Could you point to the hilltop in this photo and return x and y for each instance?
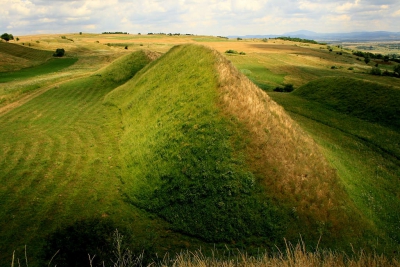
(213, 155)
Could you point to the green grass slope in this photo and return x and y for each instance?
(369, 101)
(50, 66)
(17, 56)
(362, 147)
(210, 153)
(59, 161)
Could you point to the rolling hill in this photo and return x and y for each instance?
(178, 152)
(17, 56)
(210, 153)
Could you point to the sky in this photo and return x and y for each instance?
(199, 17)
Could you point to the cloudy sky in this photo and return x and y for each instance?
(210, 17)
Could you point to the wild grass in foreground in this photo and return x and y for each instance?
(291, 256)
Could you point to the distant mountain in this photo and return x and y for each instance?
(349, 37)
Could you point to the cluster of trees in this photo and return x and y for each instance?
(223, 37)
(114, 33)
(169, 34)
(370, 56)
(300, 40)
(7, 37)
(377, 71)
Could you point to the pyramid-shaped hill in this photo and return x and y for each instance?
(214, 156)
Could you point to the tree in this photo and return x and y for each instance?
(367, 60)
(7, 37)
(59, 52)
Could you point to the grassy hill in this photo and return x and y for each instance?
(59, 161)
(210, 153)
(355, 123)
(19, 56)
(371, 101)
(180, 152)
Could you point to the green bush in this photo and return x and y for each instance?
(286, 89)
(376, 71)
(60, 52)
(230, 51)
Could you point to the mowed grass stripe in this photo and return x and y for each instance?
(62, 152)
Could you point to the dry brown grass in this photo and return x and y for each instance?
(284, 158)
(294, 256)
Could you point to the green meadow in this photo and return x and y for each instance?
(52, 65)
(187, 149)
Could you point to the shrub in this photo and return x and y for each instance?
(286, 89)
(230, 51)
(333, 67)
(242, 53)
(376, 71)
(60, 52)
(351, 68)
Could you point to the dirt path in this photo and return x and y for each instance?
(7, 108)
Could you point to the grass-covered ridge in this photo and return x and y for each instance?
(210, 153)
(52, 65)
(364, 153)
(59, 160)
(19, 56)
(369, 101)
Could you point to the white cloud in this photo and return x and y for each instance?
(198, 16)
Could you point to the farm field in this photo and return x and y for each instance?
(118, 133)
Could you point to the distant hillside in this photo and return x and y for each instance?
(366, 100)
(352, 36)
(214, 156)
(15, 57)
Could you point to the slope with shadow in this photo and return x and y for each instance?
(59, 168)
(357, 124)
(373, 102)
(213, 155)
(15, 57)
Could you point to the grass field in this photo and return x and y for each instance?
(365, 153)
(52, 65)
(188, 153)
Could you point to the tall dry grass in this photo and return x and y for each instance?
(294, 256)
(285, 159)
